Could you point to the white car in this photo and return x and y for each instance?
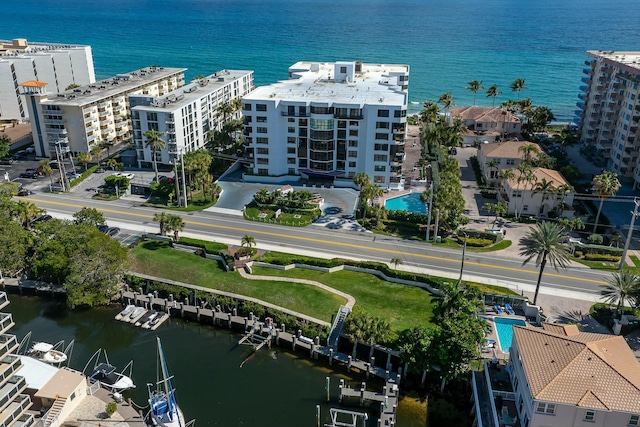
(125, 174)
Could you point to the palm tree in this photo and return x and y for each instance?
(112, 163)
(475, 87)
(247, 241)
(84, 159)
(361, 179)
(544, 242)
(161, 219)
(493, 92)
(105, 145)
(492, 164)
(27, 212)
(546, 188)
(566, 139)
(236, 104)
(446, 99)
(430, 113)
(620, 288)
(95, 152)
(225, 109)
(517, 86)
(156, 143)
(396, 261)
(46, 169)
(176, 224)
(527, 150)
(605, 185)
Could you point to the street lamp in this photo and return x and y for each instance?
(429, 210)
(634, 214)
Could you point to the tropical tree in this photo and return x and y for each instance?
(574, 223)
(506, 175)
(155, 143)
(90, 216)
(540, 118)
(493, 92)
(446, 99)
(492, 164)
(15, 245)
(414, 347)
(620, 288)
(84, 158)
(27, 212)
(605, 185)
(5, 145)
(518, 86)
(236, 104)
(225, 109)
(105, 145)
(162, 219)
(176, 224)
(527, 151)
(247, 241)
(566, 138)
(545, 243)
(112, 163)
(475, 87)
(500, 209)
(430, 113)
(396, 261)
(545, 188)
(361, 179)
(46, 169)
(95, 152)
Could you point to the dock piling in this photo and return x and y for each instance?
(349, 359)
(330, 356)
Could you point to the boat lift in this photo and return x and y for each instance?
(24, 348)
(120, 381)
(355, 417)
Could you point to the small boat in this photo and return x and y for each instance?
(47, 353)
(127, 311)
(164, 410)
(149, 315)
(137, 312)
(107, 374)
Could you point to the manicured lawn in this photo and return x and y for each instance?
(158, 259)
(403, 306)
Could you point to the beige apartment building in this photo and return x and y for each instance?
(78, 119)
(610, 110)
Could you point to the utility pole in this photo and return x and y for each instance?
(464, 250)
(634, 214)
(176, 181)
(184, 182)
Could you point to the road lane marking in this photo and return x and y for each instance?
(327, 242)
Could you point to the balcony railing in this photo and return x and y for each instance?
(6, 322)
(54, 121)
(3, 299)
(15, 409)
(287, 114)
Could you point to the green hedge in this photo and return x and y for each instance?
(476, 243)
(602, 250)
(411, 217)
(84, 175)
(602, 257)
(477, 234)
(210, 247)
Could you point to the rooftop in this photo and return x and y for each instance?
(35, 372)
(61, 384)
(585, 369)
(192, 91)
(19, 47)
(314, 81)
(550, 175)
(484, 114)
(507, 149)
(110, 87)
(630, 59)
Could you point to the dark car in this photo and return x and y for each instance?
(30, 173)
(103, 228)
(24, 192)
(41, 218)
(6, 161)
(112, 231)
(99, 170)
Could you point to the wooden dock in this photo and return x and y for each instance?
(387, 399)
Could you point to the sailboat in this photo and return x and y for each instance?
(164, 410)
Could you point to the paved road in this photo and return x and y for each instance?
(318, 241)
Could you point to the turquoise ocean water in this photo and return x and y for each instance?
(446, 42)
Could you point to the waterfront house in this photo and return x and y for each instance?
(486, 123)
(545, 192)
(498, 156)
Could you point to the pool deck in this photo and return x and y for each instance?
(496, 352)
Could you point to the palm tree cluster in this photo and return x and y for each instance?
(364, 327)
(197, 165)
(605, 185)
(170, 223)
(291, 199)
(622, 289)
(368, 193)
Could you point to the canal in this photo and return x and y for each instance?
(274, 388)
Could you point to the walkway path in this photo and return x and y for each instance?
(351, 301)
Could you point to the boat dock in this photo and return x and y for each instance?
(387, 399)
(146, 319)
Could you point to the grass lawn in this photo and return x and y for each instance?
(292, 219)
(158, 259)
(403, 306)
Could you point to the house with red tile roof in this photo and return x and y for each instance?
(486, 123)
(538, 192)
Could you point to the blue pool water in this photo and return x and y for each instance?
(409, 202)
(504, 330)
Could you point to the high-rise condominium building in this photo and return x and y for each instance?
(330, 120)
(610, 109)
(61, 65)
(77, 119)
(187, 115)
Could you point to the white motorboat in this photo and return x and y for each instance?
(47, 353)
(108, 375)
(125, 312)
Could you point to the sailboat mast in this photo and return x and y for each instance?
(165, 376)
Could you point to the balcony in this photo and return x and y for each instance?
(59, 121)
(50, 109)
(104, 104)
(6, 322)
(15, 410)
(287, 114)
(170, 121)
(588, 62)
(122, 132)
(584, 88)
(58, 132)
(586, 80)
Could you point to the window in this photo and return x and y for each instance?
(261, 107)
(511, 162)
(261, 119)
(263, 151)
(343, 70)
(73, 396)
(263, 161)
(590, 415)
(383, 113)
(262, 140)
(261, 130)
(291, 140)
(291, 129)
(634, 420)
(400, 113)
(353, 144)
(382, 125)
(342, 124)
(380, 158)
(379, 179)
(546, 408)
(353, 154)
(382, 136)
(380, 168)
(291, 171)
(353, 123)
(246, 107)
(263, 171)
(353, 165)
(291, 161)
(353, 132)
(525, 208)
(291, 150)
(381, 147)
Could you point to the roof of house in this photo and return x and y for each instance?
(62, 384)
(564, 365)
(554, 177)
(507, 149)
(485, 114)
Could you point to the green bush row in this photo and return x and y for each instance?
(411, 217)
(602, 250)
(84, 176)
(210, 247)
(476, 243)
(602, 257)
(478, 234)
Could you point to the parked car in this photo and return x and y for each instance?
(6, 161)
(24, 192)
(41, 218)
(30, 173)
(73, 175)
(112, 231)
(99, 170)
(30, 150)
(103, 228)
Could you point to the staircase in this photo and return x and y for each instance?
(52, 414)
(336, 328)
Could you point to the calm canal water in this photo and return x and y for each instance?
(274, 388)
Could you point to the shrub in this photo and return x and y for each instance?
(602, 257)
(477, 234)
(476, 243)
(111, 408)
(83, 176)
(604, 250)
(210, 247)
(595, 239)
(578, 254)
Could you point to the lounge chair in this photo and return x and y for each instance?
(509, 309)
(498, 309)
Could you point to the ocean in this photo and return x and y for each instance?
(446, 42)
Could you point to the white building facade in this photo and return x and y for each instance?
(80, 118)
(610, 110)
(60, 65)
(330, 120)
(187, 115)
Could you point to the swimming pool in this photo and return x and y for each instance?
(409, 202)
(504, 330)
